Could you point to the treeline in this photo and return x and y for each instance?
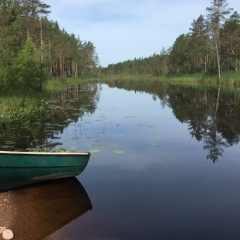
(212, 45)
(32, 47)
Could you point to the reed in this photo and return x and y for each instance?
(16, 107)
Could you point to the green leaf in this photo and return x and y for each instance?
(119, 152)
(94, 151)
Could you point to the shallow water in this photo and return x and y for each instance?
(165, 160)
(150, 178)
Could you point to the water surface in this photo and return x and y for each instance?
(165, 159)
(165, 164)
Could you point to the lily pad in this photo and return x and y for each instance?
(95, 151)
(112, 145)
(119, 152)
(10, 142)
(5, 146)
(97, 145)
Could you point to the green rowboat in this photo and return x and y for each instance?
(20, 168)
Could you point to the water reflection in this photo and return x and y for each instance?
(65, 107)
(35, 212)
(211, 113)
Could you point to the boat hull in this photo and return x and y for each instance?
(17, 168)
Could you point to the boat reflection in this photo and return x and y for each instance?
(37, 211)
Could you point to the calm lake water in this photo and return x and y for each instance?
(165, 160)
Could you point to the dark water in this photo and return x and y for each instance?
(165, 160)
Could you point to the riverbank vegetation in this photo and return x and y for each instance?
(34, 49)
(210, 50)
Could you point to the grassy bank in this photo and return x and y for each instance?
(227, 79)
(231, 79)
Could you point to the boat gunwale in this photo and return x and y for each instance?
(46, 153)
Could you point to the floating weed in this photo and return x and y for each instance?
(158, 138)
(154, 144)
(75, 138)
(10, 142)
(95, 151)
(144, 125)
(36, 123)
(5, 146)
(89, 137)
(112, 145)
(99, 120)
(97, 145)
(119, 152)
(130, 116)
(68, 120)
(59, 125)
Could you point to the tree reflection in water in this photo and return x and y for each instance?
(211, 113)
(213, 141)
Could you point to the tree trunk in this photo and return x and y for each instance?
(218, 63)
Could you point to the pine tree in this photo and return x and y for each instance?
(230, 35)
(216, 15)
(198, 43)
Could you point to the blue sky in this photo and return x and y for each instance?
(125, 29)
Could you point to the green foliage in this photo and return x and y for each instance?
(119, 152)
(47, 149)
(22, 107)
(179, 53)
(211, 48)
(33, 48)
(3, 79)
(25, 70)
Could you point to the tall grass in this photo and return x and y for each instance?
(227, 79)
